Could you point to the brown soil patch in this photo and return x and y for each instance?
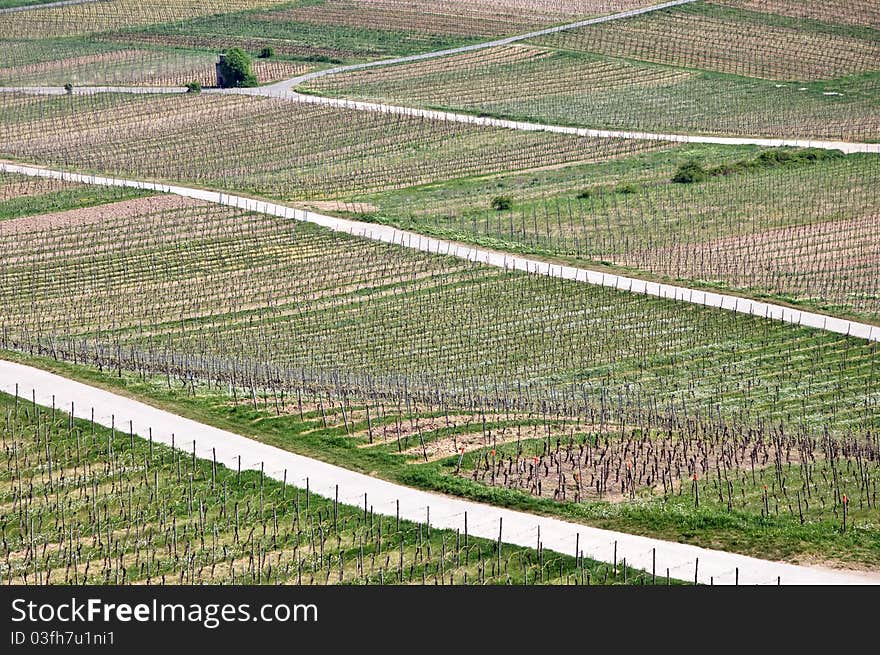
(470, 441)
(92, 215)
(625, 467)
(341, 206)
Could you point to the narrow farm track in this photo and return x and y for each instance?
(683, 561)
(484, 121)
(295, 81)
(392, 235)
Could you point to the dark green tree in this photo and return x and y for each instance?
(235, 69)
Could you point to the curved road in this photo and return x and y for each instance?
(413, 240)
(684, 562)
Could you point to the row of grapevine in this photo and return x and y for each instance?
(596, 91)
(91, 505)
(198, 292)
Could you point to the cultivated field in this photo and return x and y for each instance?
(855, 12)
(174, 287)
(273, 147)
(802, 229)
(22, 196)
(711, 37)
(97, 17)
(182, 36)
(346, 29)
(138, 67)
(610, 408)
(89, 505)
(602, 92)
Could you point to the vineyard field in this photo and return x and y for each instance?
(855, 12)
(711, 37)
(106, 507)
(606, 272)
(347, 30)
(289, 303)
(806, 228)
(273, 147)
(644, 468)
(92, 18)
(110, 65)
(588, 90)
(157, 42)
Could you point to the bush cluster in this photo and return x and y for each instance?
(692, 171)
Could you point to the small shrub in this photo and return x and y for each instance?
(322, 59)
(815, 154)
(780, 156)
(502, 203)
(775, 156)
(194, 87)
(727, 169)
(627, 188)
(585, 194)
(267, 53)
(689, 172)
